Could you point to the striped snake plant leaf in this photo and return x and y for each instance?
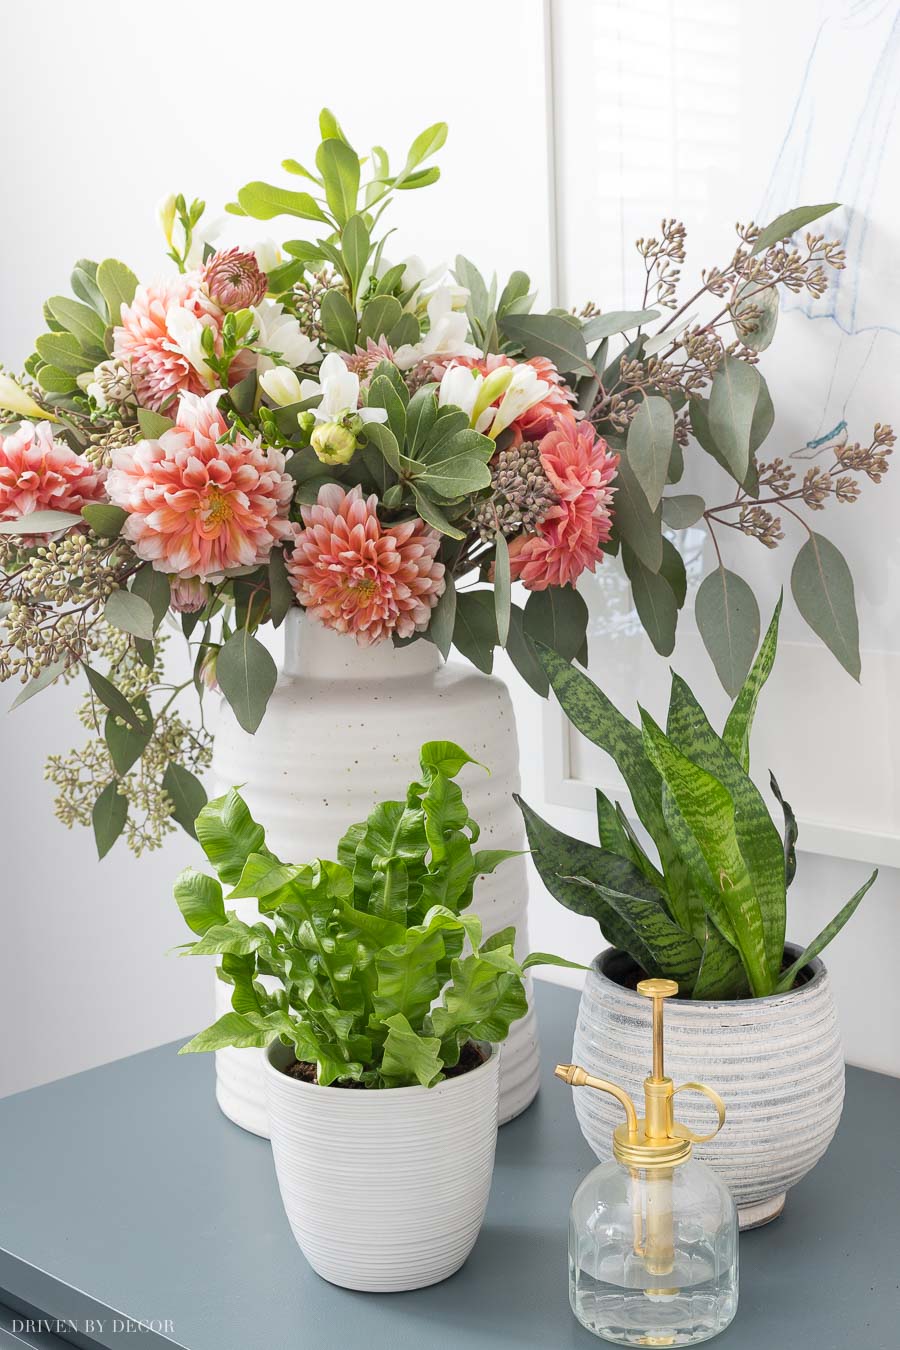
(721, 973)
(592, 713)
(758, 839)
(559, 859)
(740, 720)
(822, 940)
(660, 946)
(709, 813)
(791, 832)
(700, 899)
(618, 837)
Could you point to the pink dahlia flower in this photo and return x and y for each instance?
(234, 279)
(195, 507)
(358, 576)
(159, 338)
(363, 360)
(188, 596)
(39, 473)
(567, 541)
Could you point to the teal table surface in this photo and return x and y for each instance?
(126, 1197)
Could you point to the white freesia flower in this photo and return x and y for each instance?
(14, 399)
(281, 385)
(165, 214)
(338, 392)
(281, 332)
(187, 332)
(267, 254)
(447, 333)
(523, 391)
(465, 389)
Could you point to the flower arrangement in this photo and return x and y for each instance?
(710, 913)
(363, 947)
(389, 450)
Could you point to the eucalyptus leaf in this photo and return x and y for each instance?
(557, 617)
(727, 617)
(154, 587)
(822, 587)
(130, 614)
(40, 522)
(108, 816)
(681, 512)
(649, 446)
(732, 402)
(617, 321)
(187, 795)
(246, 674)
(475, 629)
(443, 618)
(521, 652)
(548, 335)
(112, 698)
(49, 675)
(638, 524)
(654, 601)
(783, 226)
(104, 518)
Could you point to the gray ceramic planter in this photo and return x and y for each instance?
(776, 1061)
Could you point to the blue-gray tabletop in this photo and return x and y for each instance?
(128, 1198)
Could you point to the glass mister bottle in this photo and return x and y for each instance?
(653, 1234)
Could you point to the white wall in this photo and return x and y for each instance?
(125, 103)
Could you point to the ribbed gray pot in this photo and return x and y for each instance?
(777, 1062)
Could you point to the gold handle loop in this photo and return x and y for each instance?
(682, 1131)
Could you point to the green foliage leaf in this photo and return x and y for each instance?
(228, 835)
(64, 351)
(117, 284)
(40, 522)
(727, 617)
(617, 321)
(153, 424)
(823, 590)
(49, 675)
(740, 720)
(649, 446)
(246, 675)
(241, 1030)
(783, 226)
(502, 587)
(262, 201)
(732, 403)
(355, 247)
(475, 629)
(408, 1056)
(339, 166)
(187, 794)
(199, 897)
(81, 321)
(557, 617)
(112, 698)
(108, 816)
(104, 518)
(129, 613)
(681, 512)
(820, 942)
(443, 617)
(791, 832)
(153, 587)
(549, 335)
(55, 381)
(638, 524)
(752, 297)
(281, 594)
(125, 744)
(522, 654)
(380, 316)
(339, 322)
(655, 602)
(432, 514)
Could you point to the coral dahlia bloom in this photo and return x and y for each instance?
(39, 473)
(195, 507)
(159, 338)
(358, 576)
(567, 542)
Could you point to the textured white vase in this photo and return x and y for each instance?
(384, 1190)
(776, 1061)
(342, 731)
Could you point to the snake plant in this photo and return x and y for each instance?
(710, 912)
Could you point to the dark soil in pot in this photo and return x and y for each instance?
(623, 970)
(471, 1056)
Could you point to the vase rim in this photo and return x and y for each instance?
(311, 649)
(816, 966)
(415, 1091)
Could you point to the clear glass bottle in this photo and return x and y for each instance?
(653, 1234)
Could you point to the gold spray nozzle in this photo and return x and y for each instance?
(575, 1076)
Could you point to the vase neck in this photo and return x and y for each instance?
(315, 651)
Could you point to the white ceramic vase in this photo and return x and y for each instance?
(384, 1190)
(776, 1061)
(342, 731)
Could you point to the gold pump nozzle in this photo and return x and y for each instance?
(657, 1140)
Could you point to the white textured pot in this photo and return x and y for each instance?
(776, 1061)
(384, 1190)
(342, 731)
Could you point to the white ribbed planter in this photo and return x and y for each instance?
(342, 731)
(384, 1190)
(777, 1062)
